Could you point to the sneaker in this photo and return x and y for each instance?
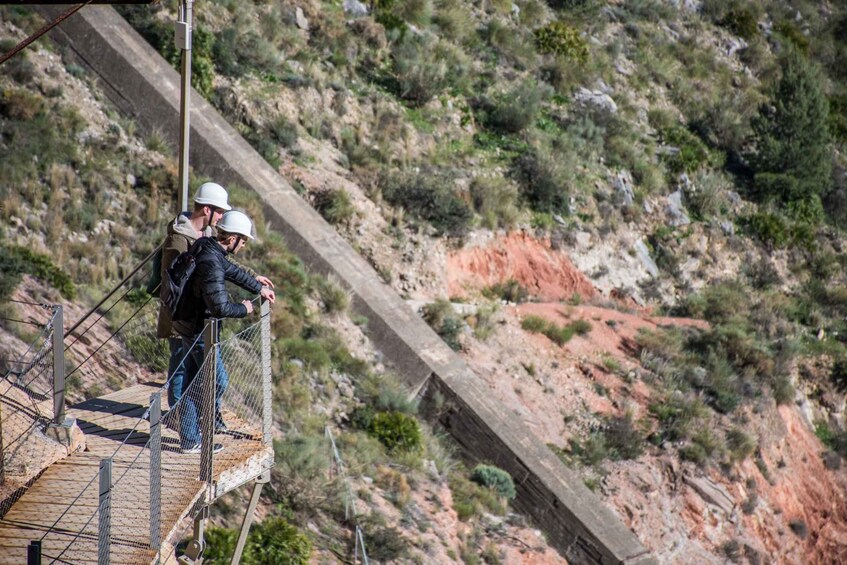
(220, 425)
(197, 448)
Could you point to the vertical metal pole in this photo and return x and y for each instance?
(58, 365)
(267, 388)
(183, 39)
(2, 453)
(362, 543)
(33, 553)
(155, 470)
(105, 512)
(207, 414)
(248, 516)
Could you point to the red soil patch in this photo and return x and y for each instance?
(547, 274)
(612, 332)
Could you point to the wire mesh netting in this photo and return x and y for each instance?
(118, 339)
(351, 513)
(26, 408)
(167, 457)
(240, 417)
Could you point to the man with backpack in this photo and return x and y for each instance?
(204, 295)
(210, 202)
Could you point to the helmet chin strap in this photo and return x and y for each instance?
(231, 247)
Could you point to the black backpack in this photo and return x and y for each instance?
(176, 280)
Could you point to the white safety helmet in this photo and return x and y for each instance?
(236, 222)
(212, 194)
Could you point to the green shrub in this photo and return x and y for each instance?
(334, 205)
(580, 327)
(495, 199)
(676, 414)
(592, 451)
(534, 324)
(443, 319)
(384, 393)
(20, 104)
(511, 291)
(430, 196)
(454, 19)
(284, 132)
(623, 438)
(742, 21)
(272, 540)
(692, 152)
(423, 67)
(333, 296)
(470, 499)
(693, 452)
(310, 352)
(514, 110)
(559, 335)
(396, 431)
(384, 544)
(20, 68)
(16, 261)
(513, 44)
(771, 228)
(560, 39)
(790, 134)
(543, 179)
(147, 349)
(496, 479)
(740, 445)
(236, 53)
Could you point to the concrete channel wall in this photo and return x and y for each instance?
(144, 87)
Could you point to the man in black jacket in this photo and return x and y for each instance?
(206, 297)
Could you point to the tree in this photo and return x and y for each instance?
(792, 160)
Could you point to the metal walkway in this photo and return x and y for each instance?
(106, 421)
(131, 494)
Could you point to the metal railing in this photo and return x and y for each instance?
(122, 515)
(31, 398)
(132, 506)
(338, 470)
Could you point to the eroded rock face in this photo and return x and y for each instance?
(545, 273)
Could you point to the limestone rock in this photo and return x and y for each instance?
(677, 216)
(596, 100)
(354, 8)
(643, 255)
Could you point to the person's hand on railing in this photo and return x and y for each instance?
(265, 281)
(249, 305)
(268, 294)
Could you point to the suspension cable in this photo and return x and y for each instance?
(44, 29)
(3, 318)
(113, 334)
(28, 303)
(114, 290)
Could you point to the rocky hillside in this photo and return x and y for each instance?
(626, 216)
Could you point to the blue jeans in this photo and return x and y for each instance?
(189, 413)
(176, 370)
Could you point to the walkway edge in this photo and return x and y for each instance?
(143, 86)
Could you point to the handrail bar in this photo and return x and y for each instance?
(114, 290)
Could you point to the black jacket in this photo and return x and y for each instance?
(205, 293)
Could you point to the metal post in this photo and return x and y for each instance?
(248, 516)
(33, 553)
(2, 453)
(183, 39)
(58, 365)
(360, 541)
(155, 470)
(207, 413)
(267, 387)
(105, 512)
